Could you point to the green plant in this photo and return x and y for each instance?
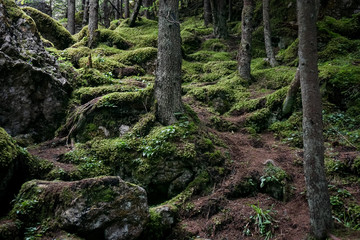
(263, 221)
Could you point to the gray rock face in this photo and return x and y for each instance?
(33, 92)
(96, 208)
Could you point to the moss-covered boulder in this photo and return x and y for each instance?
(33, 89)
(95, 208)
(16, 166)
(50, 29)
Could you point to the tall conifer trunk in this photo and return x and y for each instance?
(127, 9)
(267, 34)
(316, 184)
(207, 13)
(168, 72)
(85, 19)
(218, 9)
(244, 56)
(135, 13)
(71, 16)
(93, 22)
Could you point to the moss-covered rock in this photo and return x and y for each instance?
(206, 56)
(96, 207)
(50, 28)
(215, 44)
(112, 38)
(16, 166)
(190, 41)
(289, 56)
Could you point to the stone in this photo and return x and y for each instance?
(95, 208)
(34, 92)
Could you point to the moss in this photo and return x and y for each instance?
(190, 41)
(8, 149)
(206, 56)
(144, 125)
(217, 69)
(114, 24)
(275, 100)
(290, 130)
(102, 64)
(248, 186)
(216, 45)
(105, 50)
(191, 71)
(91, 77)
(246, 106)
(144, 35)
(112, 38)
(50, 29)
(338, 46)
(274, 78)
(259, 120)
(348, 27)
(289, 56)
(75, 54)
(14, 13)
(84, 32)
(137, 56)
(258, 44)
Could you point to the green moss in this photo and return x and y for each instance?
(144, 35)
(190, 41)
(274, 78)
(275, 100)
(206, 56)
(246, 106)
(191, 71)
(338, 46)
(92, 77)
(258, 44)
(102, 64)
(289, 56)
(8, 150)
(50, 29)
(144, 125)
(75, 54)
(14, 13)
(84, 32)
(137, 56)
(348, 27)
(112, 38)
(216, 45)
(105, 50)
(259, 120)
(218, 69)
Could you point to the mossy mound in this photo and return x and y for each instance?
(161, 159)
(112, 38)
(215, 44)
(75, 54)
(143, 35)
(190, 41)
(206, 56)
(16, 166)
(138, 56)
(50, 29)
(289, 56)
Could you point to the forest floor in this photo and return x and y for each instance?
(218, 217)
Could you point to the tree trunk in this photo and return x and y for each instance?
(244, 57)
(267, 34)
(118, 11)
(93, 22)
(207, 13)
(230, 11)
(218, 8)
(289, 101)
(316, 184)
(85, 20)
(127, 9)
(106, 11)
(168, 72)
(135, 13)
(71, 16)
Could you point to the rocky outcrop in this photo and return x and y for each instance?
(33, 93)
(16, 167)
(95, 208)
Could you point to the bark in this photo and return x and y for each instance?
(106, 11)
(168, 72)
(117, 10)
(71, 16)
(289, 101)
(244, 57)
(218, 8)
(85, 20)
(207, 13)
(93, 22)
(230, 11)
(267, 34)
(316, 184)
(127, 9)
(135, 13)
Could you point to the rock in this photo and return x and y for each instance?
(33, 93)
(40, 5)
(9, 230)
(16, 167)
(94, 208)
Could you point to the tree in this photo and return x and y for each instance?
(148, 12)
(106, 11)
(127, 9)
(168, 72)
(244, 56)
(93, 22)
(290, 98)
(85, 20)
(218, 8)
(316, 184)
(267, 34)
(135, 13)
(207, 13)
(71, 16)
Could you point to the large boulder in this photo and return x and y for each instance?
(94, 208)
(33, 93)
(16, 167)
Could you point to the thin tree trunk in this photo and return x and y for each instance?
(316, 184)
(148, 10)
(289, 101)
(106, 11)
(93, 22)
(85, 20)
(207, 13)
(71, 16)
(244, 57)
(135, 13)
(267, 34)
(127, 9)
(117, 10)
(218, 8)
(230, 11)
(168, 72)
